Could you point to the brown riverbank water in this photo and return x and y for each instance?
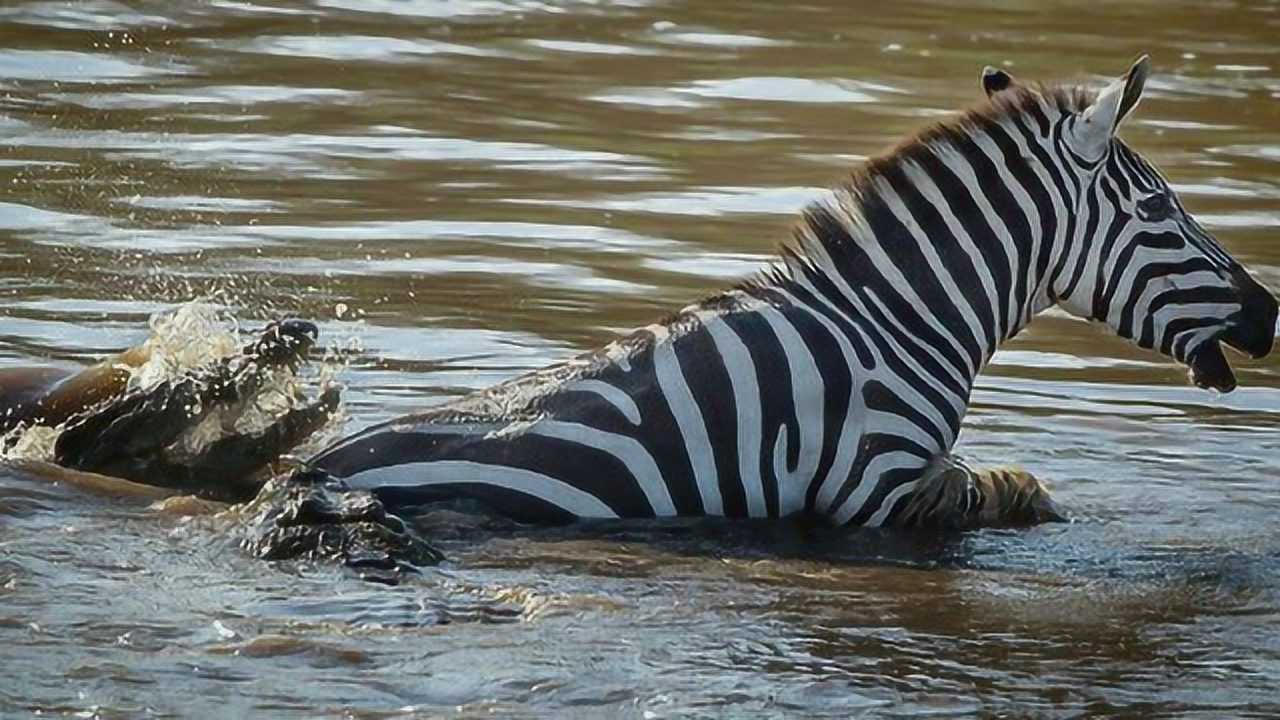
(471, 189)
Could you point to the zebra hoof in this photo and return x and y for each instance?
(963, 498)
(1044, 509)
(1014, 498)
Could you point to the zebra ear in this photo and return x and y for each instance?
(1098, 123)
(994, 80)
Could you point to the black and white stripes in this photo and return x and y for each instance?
(836, 381)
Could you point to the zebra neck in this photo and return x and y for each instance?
(951, 246)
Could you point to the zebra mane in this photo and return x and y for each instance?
(815, 236)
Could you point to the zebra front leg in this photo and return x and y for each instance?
(954, 496)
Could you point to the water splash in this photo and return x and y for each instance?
(198, 334)
(35, 442)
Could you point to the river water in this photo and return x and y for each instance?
(460, 191)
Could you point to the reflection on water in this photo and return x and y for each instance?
(470, 190)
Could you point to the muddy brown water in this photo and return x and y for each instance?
(472, 189)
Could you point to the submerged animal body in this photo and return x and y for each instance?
(835, 382)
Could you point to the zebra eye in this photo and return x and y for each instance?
(1156, 207)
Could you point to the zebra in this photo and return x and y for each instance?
(833, 383)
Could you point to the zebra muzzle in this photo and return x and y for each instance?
(1252, 332)
(1210, 369)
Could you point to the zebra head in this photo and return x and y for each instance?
(1138, 260)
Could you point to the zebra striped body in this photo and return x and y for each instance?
(836, 381)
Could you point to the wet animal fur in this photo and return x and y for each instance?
(954, 496)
